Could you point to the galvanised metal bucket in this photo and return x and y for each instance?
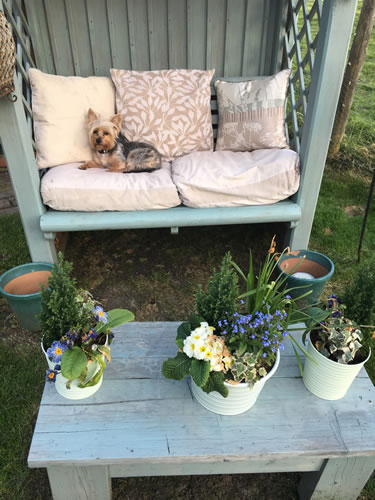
(240, 399)
(328, 379)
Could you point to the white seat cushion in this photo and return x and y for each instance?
(66, 187)
(228, 179)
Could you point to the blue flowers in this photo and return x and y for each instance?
(51, 375)
(261, 334)
(56, 351)
(100, 315)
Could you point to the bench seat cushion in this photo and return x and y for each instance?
(228, 179)
(66, 187)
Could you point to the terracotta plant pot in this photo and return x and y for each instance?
(21, 287)
(315, 264)
(328, 379)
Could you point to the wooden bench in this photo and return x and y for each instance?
(239, 38)
(140, 424)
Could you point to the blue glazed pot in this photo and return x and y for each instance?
(310, 262)
(21, 287)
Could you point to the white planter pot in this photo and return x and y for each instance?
(240, 398)
(328, 379)
(74, 392)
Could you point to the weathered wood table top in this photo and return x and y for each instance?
(141, 424)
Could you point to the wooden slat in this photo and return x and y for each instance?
(99, 36)
(177, 35)
(158, 33)
(38, 27)
(253, 37)
(53, 221)
(119, 34)
(79, 37)
(216, 24)
(60, 44)
(197, 34)
(234, 37)
(138, 35)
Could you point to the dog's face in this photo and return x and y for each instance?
(102, 133)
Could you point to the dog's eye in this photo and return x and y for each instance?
(105, 133)
(96, 131)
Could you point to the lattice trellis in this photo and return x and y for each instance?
(300, 43)
(24, 58)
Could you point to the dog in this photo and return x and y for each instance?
(112, 150)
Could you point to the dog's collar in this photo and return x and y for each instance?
(103, 151)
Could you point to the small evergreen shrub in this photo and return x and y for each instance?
(220, 300)
(60, 307)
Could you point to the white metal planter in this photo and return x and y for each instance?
(240, 399)
(328, 379)
(74, 392)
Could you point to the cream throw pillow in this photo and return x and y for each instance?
(252, 113)
(60, 105)
(169, 109)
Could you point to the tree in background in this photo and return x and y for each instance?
(352, 73)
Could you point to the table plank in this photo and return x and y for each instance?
(138, 417)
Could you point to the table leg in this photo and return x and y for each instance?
(80, 483)
(338, 479)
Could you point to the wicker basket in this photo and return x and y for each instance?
(7, 57)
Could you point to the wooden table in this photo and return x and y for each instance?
(140, 424)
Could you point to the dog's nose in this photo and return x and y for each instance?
(98, 140)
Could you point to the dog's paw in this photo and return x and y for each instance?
(83, 166)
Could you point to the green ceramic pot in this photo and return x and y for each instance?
(21, 287)
(315, 264)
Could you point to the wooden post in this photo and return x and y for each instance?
(16, 143)
(339, 478)
(80, 483)
(333, 43)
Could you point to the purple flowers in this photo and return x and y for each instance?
(56, 351)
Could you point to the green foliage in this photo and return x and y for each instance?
(177, 368)
(359, 295)
(59, 310)
(73, 363)
(262, 292)
(215, 382)
(220, 300)
(339, 338)
(200, 370)
(116, 317)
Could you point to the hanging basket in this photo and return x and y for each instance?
(7, 57)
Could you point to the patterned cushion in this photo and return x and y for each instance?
(252, 113)
(169, 109)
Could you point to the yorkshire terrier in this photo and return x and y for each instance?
(113, 151)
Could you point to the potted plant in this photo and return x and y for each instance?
(231, 345)
(336, 354)
(21, 288)
(77, 334)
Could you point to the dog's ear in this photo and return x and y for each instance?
(117, 120)
(92, 116)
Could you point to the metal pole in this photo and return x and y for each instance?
(366, 214)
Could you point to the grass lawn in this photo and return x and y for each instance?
(155, 275)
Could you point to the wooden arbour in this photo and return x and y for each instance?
(239, 38)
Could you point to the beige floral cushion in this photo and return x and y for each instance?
(252, 113)
(169, 109)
